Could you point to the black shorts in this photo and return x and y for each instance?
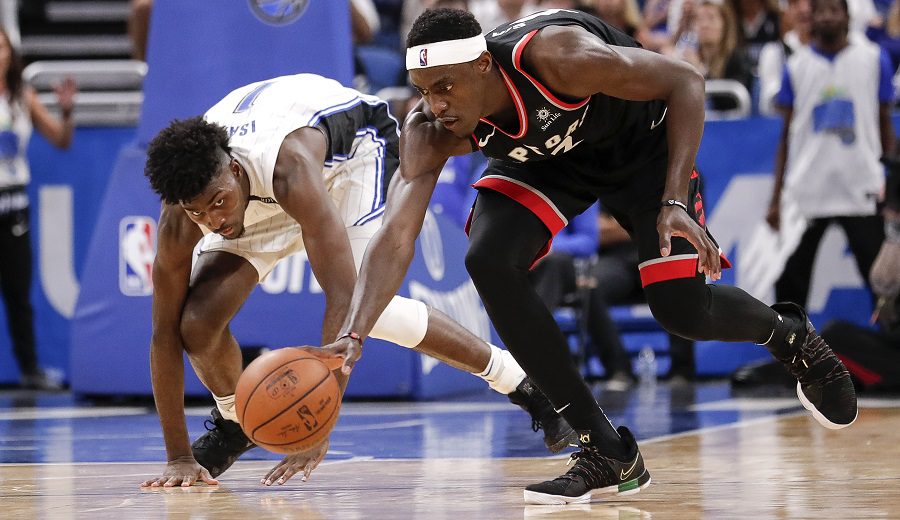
(556, 194)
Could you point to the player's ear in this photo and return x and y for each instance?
(485, 62)
(235, 166)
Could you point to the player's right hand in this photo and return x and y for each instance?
(346, 350)
(184, 472)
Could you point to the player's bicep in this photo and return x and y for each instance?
(576, 63)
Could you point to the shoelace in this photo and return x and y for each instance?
(586, 466)
(813, 351)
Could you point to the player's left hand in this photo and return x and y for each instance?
(304, 461)
(673, 221)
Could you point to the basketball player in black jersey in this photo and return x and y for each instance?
(571, 111)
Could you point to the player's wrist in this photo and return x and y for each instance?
(352, 335)
(673, 203)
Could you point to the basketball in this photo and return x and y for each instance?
(287, 400)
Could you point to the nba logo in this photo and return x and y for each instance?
(423, 58)
(137, 249)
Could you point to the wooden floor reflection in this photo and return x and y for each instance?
(781, 468)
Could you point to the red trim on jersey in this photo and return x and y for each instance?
(541, 254)
(517, 63)
(520, 106)
(868, 377)
(674, 269)
(528, 198)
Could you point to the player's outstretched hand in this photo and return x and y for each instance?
(184, 472)
(305, 461)
(673, 221)
(348, 350)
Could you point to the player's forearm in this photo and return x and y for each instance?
(685, 129)
(384, 267)
(167, 376)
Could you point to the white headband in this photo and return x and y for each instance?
(448, 52)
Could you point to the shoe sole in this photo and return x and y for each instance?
(817, 415)
(631, 487)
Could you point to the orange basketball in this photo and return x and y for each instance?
(287, 400)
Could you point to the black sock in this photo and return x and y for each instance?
(603, 435)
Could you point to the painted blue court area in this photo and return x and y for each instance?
(55, 428)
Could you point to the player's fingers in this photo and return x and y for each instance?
(188, 481)
(665, 242)
(288, 473)
(206, 477)
(150, 482)
(172, 481)
(275, 474)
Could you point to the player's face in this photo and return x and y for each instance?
(453, 93)
(220, 207)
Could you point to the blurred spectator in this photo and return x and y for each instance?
(621, 14)
(139, 27)
(862, 14)
(774, 54)
(364, 22)
(658, 29)
(759, 24)
(20, 112)
(886, 33)
(835, 98)
(717, 55)
(491, 13)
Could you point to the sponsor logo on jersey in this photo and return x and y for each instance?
(278, 12)
(546, 118)
(137, 249)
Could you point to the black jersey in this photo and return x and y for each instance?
(600, 135)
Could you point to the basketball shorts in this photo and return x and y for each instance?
(555, 195)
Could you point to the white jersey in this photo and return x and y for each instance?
(363, 151)
(15, 131)
(834, 139)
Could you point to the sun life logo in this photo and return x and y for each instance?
(546, 118)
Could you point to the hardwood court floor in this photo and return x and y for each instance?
(779, 467)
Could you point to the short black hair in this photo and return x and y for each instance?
(813, 4)
(184, 158)
(438, 25)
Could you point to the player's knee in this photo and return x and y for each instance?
(482, 265)
(679, 310)
(198, 329)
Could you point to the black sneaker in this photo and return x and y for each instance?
(592, 473)
(823, 382)
(557, 432)
(222, 444)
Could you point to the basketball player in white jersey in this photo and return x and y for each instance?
(289, 164)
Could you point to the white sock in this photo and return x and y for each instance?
(226, 407)
(502, 373)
